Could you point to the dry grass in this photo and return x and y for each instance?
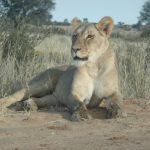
(133, 65)
(13, 76)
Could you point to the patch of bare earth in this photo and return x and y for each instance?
(49, 130)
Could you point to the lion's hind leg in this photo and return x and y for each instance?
(17, 96)
(42, 102)
(39, 86)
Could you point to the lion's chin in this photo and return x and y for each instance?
(78, 62)
(80, 59)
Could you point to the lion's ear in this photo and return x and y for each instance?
(106, 25)
(75, 22)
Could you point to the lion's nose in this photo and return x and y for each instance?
(76, 49)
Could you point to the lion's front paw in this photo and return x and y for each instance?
(111, 114)
(30, 105)
(121, 114)
(115, 113)
(80, 115)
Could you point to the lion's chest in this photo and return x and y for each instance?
(99, 87)
(83, 87)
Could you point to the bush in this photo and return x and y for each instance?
(18, 44)
(145, 33)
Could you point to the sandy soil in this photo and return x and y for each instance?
(51, 130)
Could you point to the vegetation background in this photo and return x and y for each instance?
(29, 46)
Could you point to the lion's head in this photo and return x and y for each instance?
(89, 41)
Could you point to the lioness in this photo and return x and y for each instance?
(93, 76)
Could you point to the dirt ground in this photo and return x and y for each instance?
(51, 130)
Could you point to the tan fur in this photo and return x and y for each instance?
(93, 76)
(43, 84)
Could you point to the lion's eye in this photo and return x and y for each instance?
(90, 36)
(75, 36)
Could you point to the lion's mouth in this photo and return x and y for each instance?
(82, 59)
